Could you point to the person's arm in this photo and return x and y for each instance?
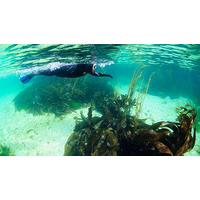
(100, 74)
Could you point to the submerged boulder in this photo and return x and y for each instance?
(117, 132)
(61, 95)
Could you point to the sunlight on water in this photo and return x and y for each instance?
(19, 56)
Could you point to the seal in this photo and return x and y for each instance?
(65, 70)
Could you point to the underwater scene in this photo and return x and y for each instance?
(100, 100)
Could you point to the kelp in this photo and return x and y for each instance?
(119, 132)
(141, 96)
(60, 96)
(113, 134)
(6, 151)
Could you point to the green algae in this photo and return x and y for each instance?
(61, 95)
(6, 151)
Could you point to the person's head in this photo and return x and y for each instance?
(90, 68)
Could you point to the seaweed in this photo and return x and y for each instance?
(113, 134)
(186, 118)
(60, 96)
(5, 151)
(119, 132)
(141, 96)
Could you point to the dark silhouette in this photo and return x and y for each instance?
(61, 70)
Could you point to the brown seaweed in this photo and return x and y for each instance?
(121, 136)
(118, 132)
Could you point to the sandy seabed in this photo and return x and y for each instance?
(28, 134)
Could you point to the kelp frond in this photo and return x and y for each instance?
(141, 97)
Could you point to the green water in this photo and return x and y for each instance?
(175, 82)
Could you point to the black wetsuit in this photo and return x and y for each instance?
(61, 70)
(67, 70)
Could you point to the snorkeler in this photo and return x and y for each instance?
(61, 70)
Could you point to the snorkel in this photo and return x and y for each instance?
(93, 68)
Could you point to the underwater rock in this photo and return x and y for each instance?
(117, 132)
(60, 96)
